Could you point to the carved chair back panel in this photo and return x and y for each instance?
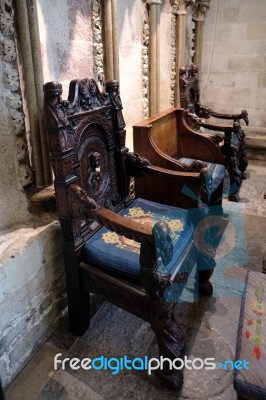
(96, 166)
(86, 140)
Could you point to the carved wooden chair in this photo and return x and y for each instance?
(130, 250)
(168, 141)
(231, 142)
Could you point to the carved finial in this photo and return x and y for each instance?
(51, 89)
(163, 241)
(200, 9)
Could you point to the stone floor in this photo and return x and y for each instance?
(210, 327)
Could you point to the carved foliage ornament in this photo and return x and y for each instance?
(145, 68)
(98, 42)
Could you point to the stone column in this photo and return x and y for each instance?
(38, 79)
(115, 40)
(28, 71)
(154, 53)
(200, 10)
(111, 39)
(108, 39)
(180, 9)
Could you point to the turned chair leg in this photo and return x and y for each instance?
(170, 341)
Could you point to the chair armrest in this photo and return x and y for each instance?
(83, 207)
(206, 112)
(197, 122)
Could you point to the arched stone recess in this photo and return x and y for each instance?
(12, 91)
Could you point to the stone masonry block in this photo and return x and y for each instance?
(262, 80)
(32, 292)
(261, 47)
(239, 98)
(251, 13)
(256, 31)
(259, 63)
(231, 14)
(222, 79)
(239, 63)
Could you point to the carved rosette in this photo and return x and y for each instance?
(145, 68)
(200, 9)
(13, 98)
(98, 42)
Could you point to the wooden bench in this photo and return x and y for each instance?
(251, 339)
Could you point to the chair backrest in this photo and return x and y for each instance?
(189, 88)
(87, 146)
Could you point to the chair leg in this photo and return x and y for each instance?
(205, 267)
(243, 162)
(170, 341)
(235, 174)
(78, 299)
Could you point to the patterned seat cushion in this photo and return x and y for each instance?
(118, 254)
(217, 171)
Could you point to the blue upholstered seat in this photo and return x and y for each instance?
(217, 171)
(110, 251)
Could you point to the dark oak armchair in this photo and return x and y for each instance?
(130, 250)
(231, 142)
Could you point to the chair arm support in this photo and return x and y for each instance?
(83, 207)
(124, 226)
(155, 242)
(206, 112)
(198, 122)
(139, 166)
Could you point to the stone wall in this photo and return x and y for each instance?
(234, 58)
(32, 292)
(14, 169)
(66, 40)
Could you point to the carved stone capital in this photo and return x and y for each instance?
(180, 6)
(200, 9)
(151, 2)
